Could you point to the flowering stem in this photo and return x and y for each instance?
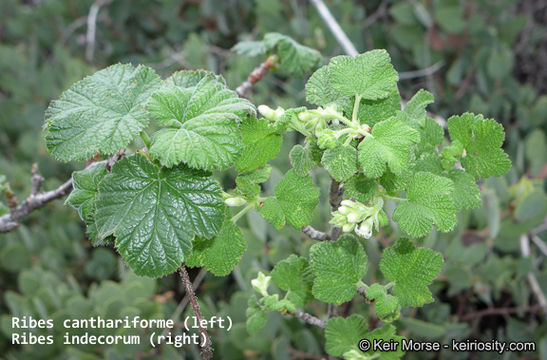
(237, 216)
(355, 109)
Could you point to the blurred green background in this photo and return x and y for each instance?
(484, 56)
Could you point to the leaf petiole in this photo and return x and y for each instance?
(237, 216)
(145, 139)
(354, 119)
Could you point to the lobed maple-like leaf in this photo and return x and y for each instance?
(101, 113)
(429, 202)
(201, 124)
(155, 212)
(412, 270)
(338, 267)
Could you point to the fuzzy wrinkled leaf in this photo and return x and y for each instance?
(343, 334)
(390, 145)
(201, 125)
(412, 270)
(300, 160)
(338, 267)
(340, 162)
(221, 253)
(295, 58)
(155, 212)
(369, 75)
(430, 202)
(294, 275)
(101, 113)
(261, 144)
(297, 197)
(482, 140)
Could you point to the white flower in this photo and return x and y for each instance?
(365, 228)
(261, 283)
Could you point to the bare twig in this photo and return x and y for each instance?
(335, 28)
(540, 244)
(256, 75)
(308, 318)
(37, 199)
(315, 234)
(336, 192)
(206, 349)
(422, 72)
(499, 311)
(532, 280)
(91, 28)
(182, 305)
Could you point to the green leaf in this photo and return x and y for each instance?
(256, 316)
(271, 210)
(85, 183)
(390, 144)
(250, 48)
(415, 107)
(340, 162)
(201, 125)
(343, 334)
(189, 78)
(247, 182)
(387, 306)
(101, 113)
(155, 212)
(412, 270)
(82, 198)
(220, 254)
(360, 187)
(338, 268)
(372, 112)
(293, 275)
(369, 75)
(297, 197)
(261, 144)
(430, 202)
(272, 302)
(387, 334)
(482, 140)
(300, 160)
(319, 90)
(466, 193)
(295, 58)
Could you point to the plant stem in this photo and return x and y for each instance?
(145, 139)
(237, 216)
(206, 350)
(394, 198)
(355, 109)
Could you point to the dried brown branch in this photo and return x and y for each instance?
(37, 199)
(206, 349)
(256, 75)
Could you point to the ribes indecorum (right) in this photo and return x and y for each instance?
(160, 206)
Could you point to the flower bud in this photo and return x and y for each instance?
(267, 112)
(235, 201)
(327, 139)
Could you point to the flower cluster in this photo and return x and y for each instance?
(353, 215)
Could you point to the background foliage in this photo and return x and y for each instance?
(483, 56)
